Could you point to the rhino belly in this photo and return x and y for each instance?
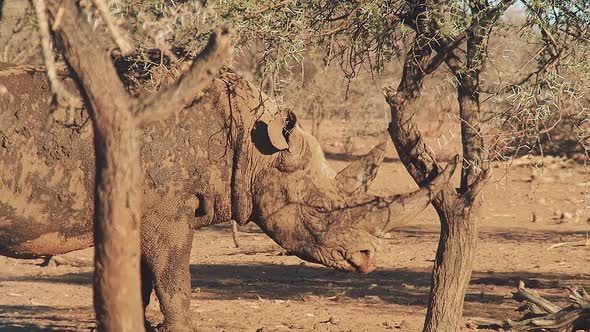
(23, 242)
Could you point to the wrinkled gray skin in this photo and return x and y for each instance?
(231, 155)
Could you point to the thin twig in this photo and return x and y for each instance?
(57, 88)
(266, 8)
(118, 36)
(190, 85)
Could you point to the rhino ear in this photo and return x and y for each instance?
(279, 129)
(357, 176)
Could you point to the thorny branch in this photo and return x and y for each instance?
(204, 68)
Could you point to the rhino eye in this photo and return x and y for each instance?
(320, 204)
(321, 209)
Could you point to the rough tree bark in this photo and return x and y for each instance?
(116, 117)
(457, 208)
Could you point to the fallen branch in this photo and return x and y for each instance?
(543, 315)
(582, 243)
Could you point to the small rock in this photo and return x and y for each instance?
(373, 299)
(563, 217)
(390, 325)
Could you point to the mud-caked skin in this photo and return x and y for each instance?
(230, 155)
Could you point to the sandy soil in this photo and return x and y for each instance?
(258, 287)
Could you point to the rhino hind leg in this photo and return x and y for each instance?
(166, 246)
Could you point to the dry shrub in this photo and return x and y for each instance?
(546, 114)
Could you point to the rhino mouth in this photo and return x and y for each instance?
(360, 261)
(352, 266)
(363, 261)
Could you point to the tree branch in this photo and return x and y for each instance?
(172, 98)
(89, 59)
(413, 151)
(118, 36)
(60, 93)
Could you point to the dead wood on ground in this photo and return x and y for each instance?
(543, 315)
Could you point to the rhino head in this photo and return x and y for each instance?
(324, 217)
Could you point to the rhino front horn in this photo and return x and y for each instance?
(393, 211)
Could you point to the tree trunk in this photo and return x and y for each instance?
(117, 291)
(118, 192)
(459, 225)
(457, 209)
(452, 267)
(118, 199)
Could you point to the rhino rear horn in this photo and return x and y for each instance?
(357, 176)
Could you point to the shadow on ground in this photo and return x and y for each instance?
(296, 282)
(18, 318)
(227, 282)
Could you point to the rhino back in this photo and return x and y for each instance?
(47, 171)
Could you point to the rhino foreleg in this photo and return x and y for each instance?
(166, 245)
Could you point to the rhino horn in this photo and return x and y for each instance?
(357, 176)
(387, 213)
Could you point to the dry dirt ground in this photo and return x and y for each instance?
(259, 287)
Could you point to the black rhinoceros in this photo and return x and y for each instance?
(230, 155)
